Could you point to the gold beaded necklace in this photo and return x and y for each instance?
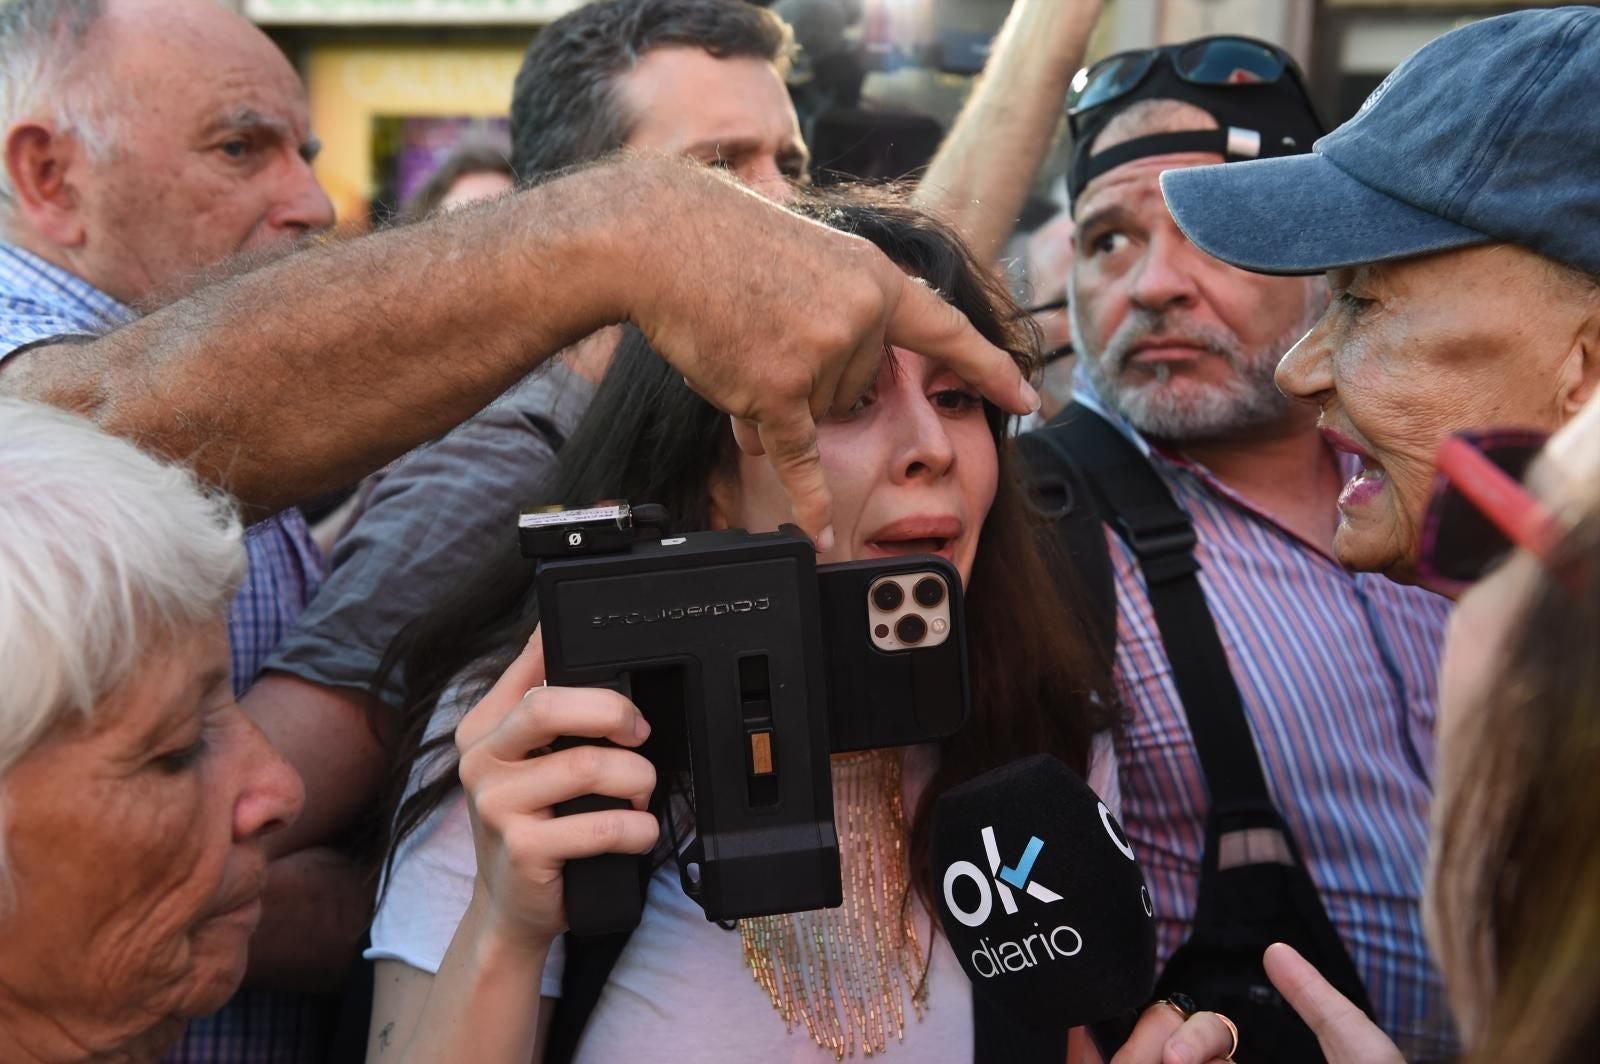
(845, 973)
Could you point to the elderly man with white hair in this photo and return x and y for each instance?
(134, 793)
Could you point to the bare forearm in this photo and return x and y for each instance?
(483, 1003)
(310, 372)
(982, 173)
(313, 912)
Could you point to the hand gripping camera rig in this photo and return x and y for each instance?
(768, 664)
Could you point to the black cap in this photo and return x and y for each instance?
(1257, 120)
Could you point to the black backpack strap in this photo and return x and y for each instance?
(1074, 540)
(1131, 498)
(586, 969)
(1137, 505)
(589, 961)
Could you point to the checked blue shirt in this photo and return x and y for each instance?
(39, 301)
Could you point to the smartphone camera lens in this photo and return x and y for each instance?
(888, 596)
(910, 629)
(929, 592)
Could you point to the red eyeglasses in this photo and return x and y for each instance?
(1479, 510)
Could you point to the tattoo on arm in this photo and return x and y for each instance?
(385, 1037)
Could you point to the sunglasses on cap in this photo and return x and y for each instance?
(1480, 511)
(1208, 61)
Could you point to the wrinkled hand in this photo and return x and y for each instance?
(1161, 1037)
(777, 320)
(521, 844)
(1345, 1033)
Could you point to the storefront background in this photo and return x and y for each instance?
(384, 111)
(394, 84)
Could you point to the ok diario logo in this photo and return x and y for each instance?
(1003, 879)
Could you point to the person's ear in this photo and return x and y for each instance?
(40, 161)
(1580, 375)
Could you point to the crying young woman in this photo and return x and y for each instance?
(471, 963)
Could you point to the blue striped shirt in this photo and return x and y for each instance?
(1337, 672)
(39, 301)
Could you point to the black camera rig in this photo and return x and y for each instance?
(773, 662)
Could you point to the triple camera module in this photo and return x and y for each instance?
(909, 610)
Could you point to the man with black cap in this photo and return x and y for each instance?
(1276, 764)
(1458, 219)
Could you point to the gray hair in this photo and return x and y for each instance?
(1145, 117)
(1248, 400)
(39, 41)
(106, 556)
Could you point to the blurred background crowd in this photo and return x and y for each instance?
(396, 85)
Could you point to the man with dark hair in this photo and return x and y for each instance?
(699, 78)
(695, 77)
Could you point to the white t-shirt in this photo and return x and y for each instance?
(681, 989)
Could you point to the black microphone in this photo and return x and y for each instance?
(1044, 905)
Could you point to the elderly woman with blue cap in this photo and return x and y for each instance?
(1515, 868)
(1457, 217)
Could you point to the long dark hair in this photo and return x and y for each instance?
(1038, 685)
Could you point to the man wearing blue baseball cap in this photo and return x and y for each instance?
(1457, 216)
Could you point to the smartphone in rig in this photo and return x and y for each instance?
(759, 665)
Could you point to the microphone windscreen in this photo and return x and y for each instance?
(1041, 897)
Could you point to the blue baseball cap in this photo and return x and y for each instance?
(1489, 134)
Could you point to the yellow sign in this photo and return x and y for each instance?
(393, 12)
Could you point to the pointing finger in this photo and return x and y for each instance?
(748, 436)
(924, 323)
(1326, 1011)
(790, 442)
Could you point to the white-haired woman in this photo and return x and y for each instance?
(134, 794)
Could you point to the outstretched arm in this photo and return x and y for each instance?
(308, 373)
(983, 170)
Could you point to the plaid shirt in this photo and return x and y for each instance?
(40, 301)
(1337, 673)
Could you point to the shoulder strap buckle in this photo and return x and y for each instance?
(1164, 540)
